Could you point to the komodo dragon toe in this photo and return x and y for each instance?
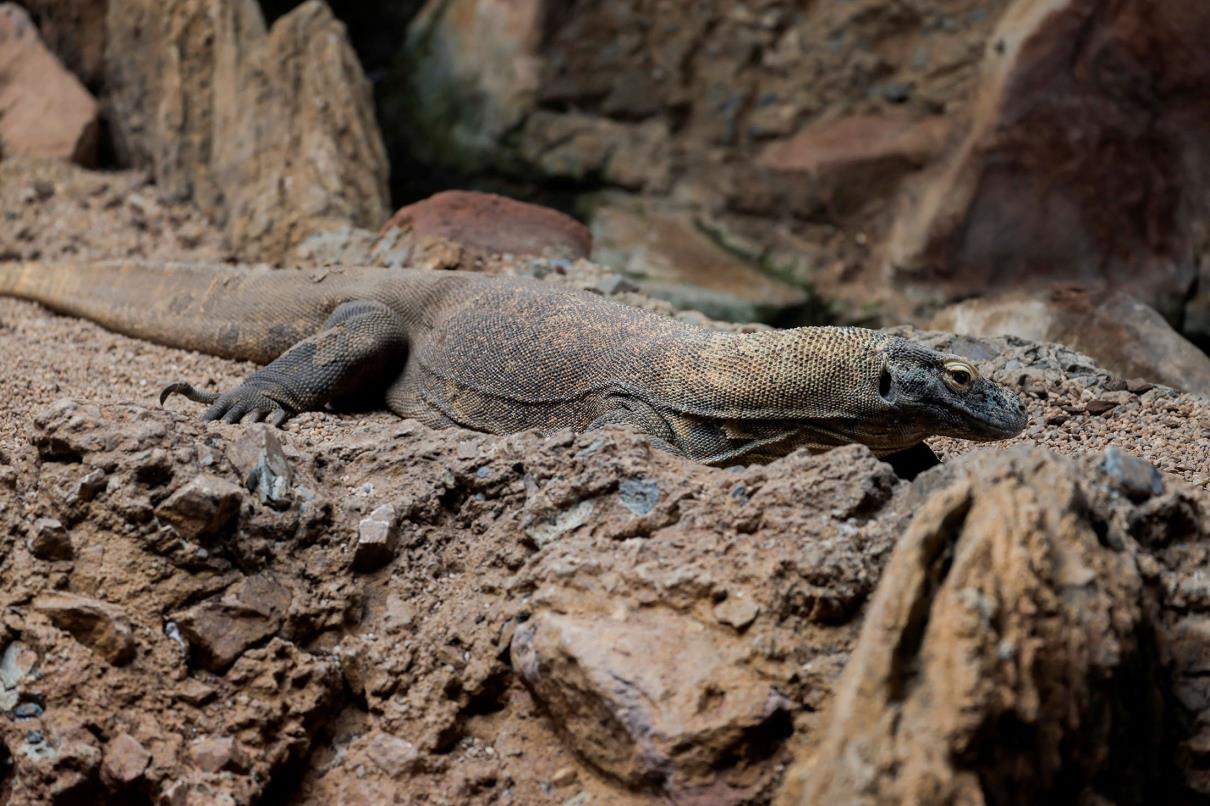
(240, 404)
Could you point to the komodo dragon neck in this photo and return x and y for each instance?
(504, 355)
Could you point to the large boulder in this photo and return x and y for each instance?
(44, 110)
(271, 132)
(1008, 649)
(1085, 159)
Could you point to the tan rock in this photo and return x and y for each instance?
(44, 110)
(392, 755)
(480, 57)
(102, 627)
(1120, 332)
(203, 507)
(486, 223)
(217, 753)
(377, 539)
(651, 698)
(670, 257)
(1084, 160)
(220, 630)
(857, 159)
(1004, 612)
(271, 132)
(124, 760)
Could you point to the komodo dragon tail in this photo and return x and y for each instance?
(249, 314)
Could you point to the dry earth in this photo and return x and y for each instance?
(374, 612)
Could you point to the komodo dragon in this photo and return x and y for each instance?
(503, 355)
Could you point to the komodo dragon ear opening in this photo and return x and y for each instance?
(885, 385)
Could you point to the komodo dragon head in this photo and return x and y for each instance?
(933, 393)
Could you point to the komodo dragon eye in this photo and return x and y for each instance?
(959, 375)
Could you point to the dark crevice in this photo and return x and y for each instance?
(6, 774)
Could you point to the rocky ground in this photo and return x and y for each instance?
(358, 609)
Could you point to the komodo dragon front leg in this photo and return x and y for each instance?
(361, 347)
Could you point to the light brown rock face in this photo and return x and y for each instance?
(1085, 158)
(671, 256)
(855, 159)
(649, 698)
(102, 627)
(272, 133)
(44, 110)
(1002, 651)
(773, 120)
(476, 66)
(1123, 334)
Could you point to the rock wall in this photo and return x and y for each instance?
(272, 133)
(890, 157)
(358, 610)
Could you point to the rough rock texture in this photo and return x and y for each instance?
(272, 134)
(1085, 158)
(1121, 333)
(887, 157)
(75, 30)
(486, 224)
(100, 626)
(650, 698)
(1010, 648)
(674, 256)
(53, 210)
(44, 110)
(678, 106)
(267, 668)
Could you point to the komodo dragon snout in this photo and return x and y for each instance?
(945, 395)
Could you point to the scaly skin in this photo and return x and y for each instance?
(503, 355)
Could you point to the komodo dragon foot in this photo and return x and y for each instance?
(234, 406)
(360, 348)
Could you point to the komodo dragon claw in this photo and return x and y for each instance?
(186, 389)
(233, 406)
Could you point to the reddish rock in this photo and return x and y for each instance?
(124, 760)
(44, 110)
(1084, 161)
(859, 158)
(220, 630)
(489, 223)
(100, 626)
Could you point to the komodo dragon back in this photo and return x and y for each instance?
(504, 354)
